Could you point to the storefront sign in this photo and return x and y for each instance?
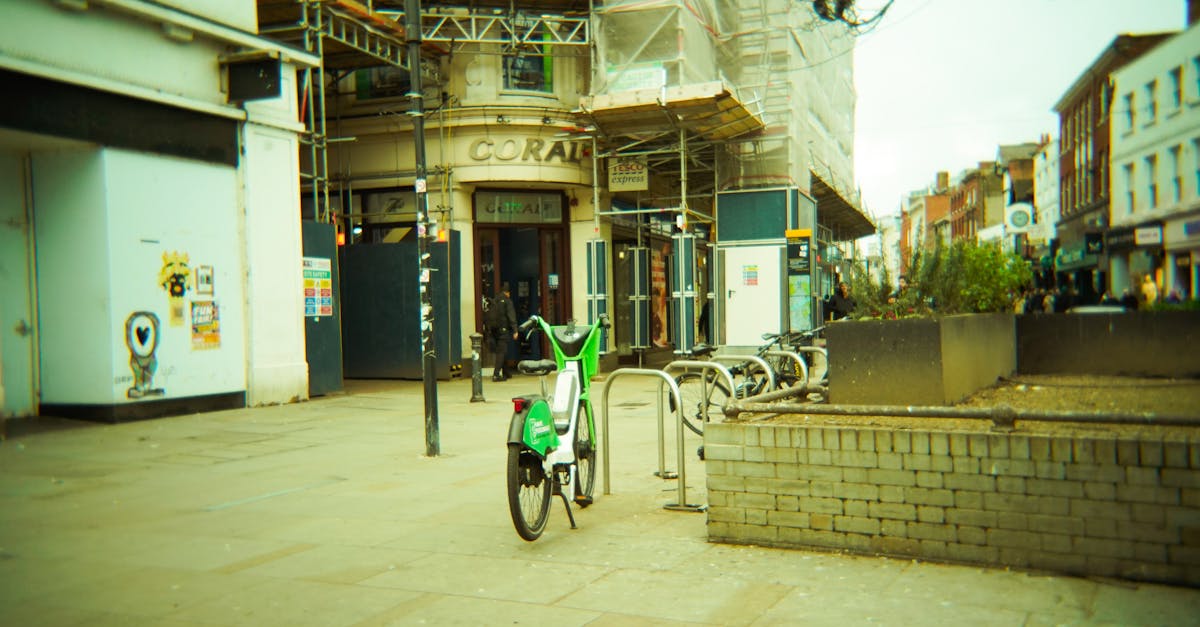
(1148, 236)
(633, 77)
(526, 149)
(628, 174)
(518, 207)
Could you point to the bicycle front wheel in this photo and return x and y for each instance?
(528, 492)
(585, 458)
(704, 398)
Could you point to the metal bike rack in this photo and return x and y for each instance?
(794, 356)
(754, 358)
(824, 355)
(682, 505)
(703, 366)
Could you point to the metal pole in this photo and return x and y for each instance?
(412, 37)
(476, 369)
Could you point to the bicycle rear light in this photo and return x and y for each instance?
(519, 404)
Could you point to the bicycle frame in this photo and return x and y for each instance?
(542, 423)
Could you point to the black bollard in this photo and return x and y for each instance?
(476, 369)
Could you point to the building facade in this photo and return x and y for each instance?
(150, 167)
(1155, 138)
(656, 124)
(1085, 115)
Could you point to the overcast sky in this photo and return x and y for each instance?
(941, 83)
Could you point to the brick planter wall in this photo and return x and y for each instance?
(1083, 505)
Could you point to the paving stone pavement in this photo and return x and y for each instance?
(328, 512)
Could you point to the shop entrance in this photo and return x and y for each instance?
(532, 261)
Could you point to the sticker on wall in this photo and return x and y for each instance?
(318, 287)
(750, 275)
(204, 280)
(141, 336)
(173, 277)
(206, 325)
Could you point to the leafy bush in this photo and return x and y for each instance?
(964, 277)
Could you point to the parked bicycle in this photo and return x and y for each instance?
(704, 395)
(539, 465)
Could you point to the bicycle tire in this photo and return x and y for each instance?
(691, 391)
(526, 478)
(585, 459)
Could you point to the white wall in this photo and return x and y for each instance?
(111, 47)
(16, 350)
(1173, 127)
(77, 332)
(163, 205)
(104, 219)
(278, 367)
(1046, 189)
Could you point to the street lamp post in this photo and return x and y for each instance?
(412, 37)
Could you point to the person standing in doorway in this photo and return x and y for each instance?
(841, 303)
(1149, 291)
(501, 319)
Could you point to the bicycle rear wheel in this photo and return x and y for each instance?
(703, 398)
(585, 459)
(528, 492)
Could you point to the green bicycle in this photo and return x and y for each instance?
(538, 464)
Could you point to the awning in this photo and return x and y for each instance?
(710, 110)
(837, 213)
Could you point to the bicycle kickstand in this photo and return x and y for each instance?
(567, 504)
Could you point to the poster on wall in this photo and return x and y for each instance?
(206, 325)
(318, 287)
(799, 302)
(658, 297)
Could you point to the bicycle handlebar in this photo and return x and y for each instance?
(529, 324)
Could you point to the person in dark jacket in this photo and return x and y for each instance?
(502, 326)
(841, 303)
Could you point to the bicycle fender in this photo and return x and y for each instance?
(534, 428)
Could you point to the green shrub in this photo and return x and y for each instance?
(964, 277)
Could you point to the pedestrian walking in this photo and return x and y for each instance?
(501, 321)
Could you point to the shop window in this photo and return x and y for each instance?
(529, 72)
(1128, 103)
(1129, 183)
(1151, 102)
(1176, 78)
(1152, 181)
(1176, 178)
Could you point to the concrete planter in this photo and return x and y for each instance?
(920, 361)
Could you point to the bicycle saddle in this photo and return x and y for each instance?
(702, 350)
(537, 366)
(570, 339)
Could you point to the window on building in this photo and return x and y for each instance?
(1151, 102)
(1130, 113)
(1129, 181)
(529, 72)
(1152, 181)
(1196, 164)
(1176, 78)
(1196, 83)
(1174, 155)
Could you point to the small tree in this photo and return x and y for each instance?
(964, 277)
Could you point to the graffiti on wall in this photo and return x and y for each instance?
(173, 277)
(141, 336)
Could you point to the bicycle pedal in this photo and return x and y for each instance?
(583, 500)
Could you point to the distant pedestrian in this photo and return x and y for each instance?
(1129, 301)
(841, 303)
(1149, 291)
(501, 321)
